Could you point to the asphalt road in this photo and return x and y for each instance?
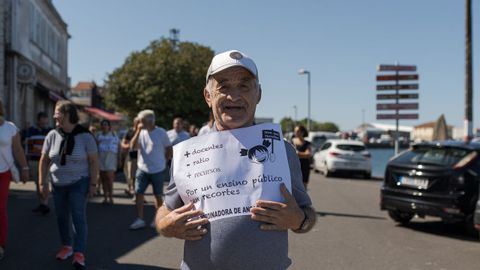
(352, 233)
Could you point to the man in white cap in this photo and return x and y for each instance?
(256, 241)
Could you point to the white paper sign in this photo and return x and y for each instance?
(224, 173)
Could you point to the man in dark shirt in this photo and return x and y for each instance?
(33, 138)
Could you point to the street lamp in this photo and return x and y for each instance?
(295, 115)
(303, 72)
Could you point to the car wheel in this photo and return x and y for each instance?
(469, 226)
(400, 217)
(367, 175)
(315, 169)
(327, 172)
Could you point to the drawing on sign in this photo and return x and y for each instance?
(260, 153)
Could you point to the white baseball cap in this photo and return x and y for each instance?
(230, 59)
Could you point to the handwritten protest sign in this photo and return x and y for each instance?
(224, 173)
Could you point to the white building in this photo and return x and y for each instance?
(33, 74)
(376, 130)
(424, 132)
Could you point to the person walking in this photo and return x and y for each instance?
(10, 149)
(304, 151)
(33, 139)
(108, 154)
(130, 167)
(154, 148)
(69, 155)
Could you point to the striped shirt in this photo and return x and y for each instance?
(77, 165)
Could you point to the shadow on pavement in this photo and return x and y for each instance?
(455, 230)
(323, 214)
(34, 240)
(353, 176)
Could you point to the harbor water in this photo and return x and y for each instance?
(380, 158)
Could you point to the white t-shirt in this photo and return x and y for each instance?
(177, 137)
(151, 150)
(205, 130)
(107, 142)
(7, 131)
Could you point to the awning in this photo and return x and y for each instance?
(52, 95)
(101, 114)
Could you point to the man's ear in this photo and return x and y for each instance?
(259, 93)
(208, 97)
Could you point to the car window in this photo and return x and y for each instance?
(443, 156)
(319, 140)
(351, 147)
(326, 146)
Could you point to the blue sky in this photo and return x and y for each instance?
(340, 41)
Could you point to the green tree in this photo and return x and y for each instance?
(165, 77)
(327, 126)
(287, 124)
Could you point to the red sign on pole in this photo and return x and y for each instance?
(398, 87)
(400, 106)
(396, 68)
(397, 116)
(397, 77)
(394, 96)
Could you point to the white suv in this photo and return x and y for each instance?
(343, 155)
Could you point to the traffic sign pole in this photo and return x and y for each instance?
(396, 78)
(396, 120)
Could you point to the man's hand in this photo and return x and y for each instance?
(278, 216)
(25, 175)
(139, 126)
(92, 190)
(179, 223)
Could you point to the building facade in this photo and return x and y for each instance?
(34, 39)
(425, 131)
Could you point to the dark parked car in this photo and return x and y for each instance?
(477, 217)
(434, 179)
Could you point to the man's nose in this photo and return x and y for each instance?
(234, 94)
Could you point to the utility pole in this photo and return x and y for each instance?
(468, 125)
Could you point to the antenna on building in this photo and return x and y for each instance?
(174, 36)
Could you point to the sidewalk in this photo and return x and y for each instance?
(33, 239)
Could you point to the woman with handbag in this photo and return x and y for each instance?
(10, 148)
(69, 154)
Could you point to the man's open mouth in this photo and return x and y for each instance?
(233, 108)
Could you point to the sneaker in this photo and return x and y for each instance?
(64, 253)
(137, 224)
(42, 208)
(78, 260)
(2, 253)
